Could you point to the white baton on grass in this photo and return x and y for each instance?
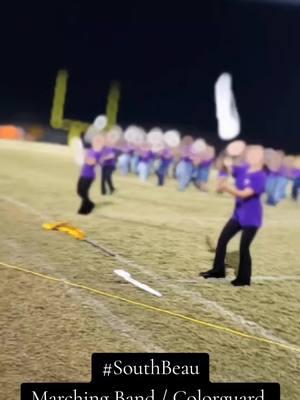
(126, 275)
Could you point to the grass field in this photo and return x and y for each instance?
(50, 329)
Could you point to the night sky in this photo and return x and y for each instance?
(167, 59)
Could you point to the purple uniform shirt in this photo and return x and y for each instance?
(109, 151)
(284, 171)
(206, 164)
(166, 157)
(239, 172)
(88, 171)
(186, 154)
(127, 149)
(249, 211)
(272, 174)
(296, 173)
(146, 156)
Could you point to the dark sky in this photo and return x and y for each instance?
(167, 59)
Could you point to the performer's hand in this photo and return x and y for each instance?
(90, 161)
(241, 194)
(223, 186)
(228, 162)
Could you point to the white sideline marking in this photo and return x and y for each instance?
(257, 278)
(250, 326)
(278, 278)
(239, 321)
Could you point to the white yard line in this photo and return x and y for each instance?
(25, 206)
(250, 326)
(239, 321)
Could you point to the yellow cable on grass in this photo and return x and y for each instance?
(157, 309)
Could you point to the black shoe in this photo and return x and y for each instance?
(212, 274)
(237, 282)
(90, 208)
(86, 208)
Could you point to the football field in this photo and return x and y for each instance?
(164, 238)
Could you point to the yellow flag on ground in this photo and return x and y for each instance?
(66, 228)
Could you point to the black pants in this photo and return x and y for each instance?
(295, 188)
(83, 187)
(245, 265)
(106, 179)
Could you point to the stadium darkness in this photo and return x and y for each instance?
(167, 60)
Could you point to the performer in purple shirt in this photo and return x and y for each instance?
(108, 163)
(203, 167)
(296, 179)
(88, 174)
(146, 158)
(247, 216)
(276, 176)
(165, 160)
(184, 169)
(124, 158)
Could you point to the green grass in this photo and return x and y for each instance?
(50, 329)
